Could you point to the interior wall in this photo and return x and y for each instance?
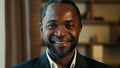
(2, 34)
(35, 37)
(109, 12)
(101, 33)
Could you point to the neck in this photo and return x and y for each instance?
(64, 61)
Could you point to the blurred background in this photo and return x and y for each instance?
(20, 38)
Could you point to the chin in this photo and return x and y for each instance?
(64, 53)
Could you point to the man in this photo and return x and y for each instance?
(60, 27)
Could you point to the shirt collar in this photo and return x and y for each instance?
(54, 65)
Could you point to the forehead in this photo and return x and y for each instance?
(59, 8)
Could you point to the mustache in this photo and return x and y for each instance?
(62, 39)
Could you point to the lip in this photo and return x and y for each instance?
(64, 42)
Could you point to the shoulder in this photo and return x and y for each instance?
(35, 62)
(95, 64)
(91, 63)
(27, 64)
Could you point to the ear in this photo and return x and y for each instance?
(41, 28)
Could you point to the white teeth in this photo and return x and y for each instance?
(60, 42)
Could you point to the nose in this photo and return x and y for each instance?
(61, 31)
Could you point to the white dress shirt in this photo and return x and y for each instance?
(54, 65)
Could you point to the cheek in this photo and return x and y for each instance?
(75, 33)
(45, 33)
(48, 33)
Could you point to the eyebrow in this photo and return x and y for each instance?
(52, 21)
(68, 21)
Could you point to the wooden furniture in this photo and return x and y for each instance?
(106, 52)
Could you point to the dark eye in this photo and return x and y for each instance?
(51, 26)
(69, 26)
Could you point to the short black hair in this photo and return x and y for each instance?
(43, 11)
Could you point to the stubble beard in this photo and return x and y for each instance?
(58, 55)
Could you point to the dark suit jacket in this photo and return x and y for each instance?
(42, 62)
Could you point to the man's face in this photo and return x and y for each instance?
(60, 29)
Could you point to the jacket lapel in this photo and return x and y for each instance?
(42, 62)
(80, 61)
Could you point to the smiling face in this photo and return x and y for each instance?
(60, 29)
